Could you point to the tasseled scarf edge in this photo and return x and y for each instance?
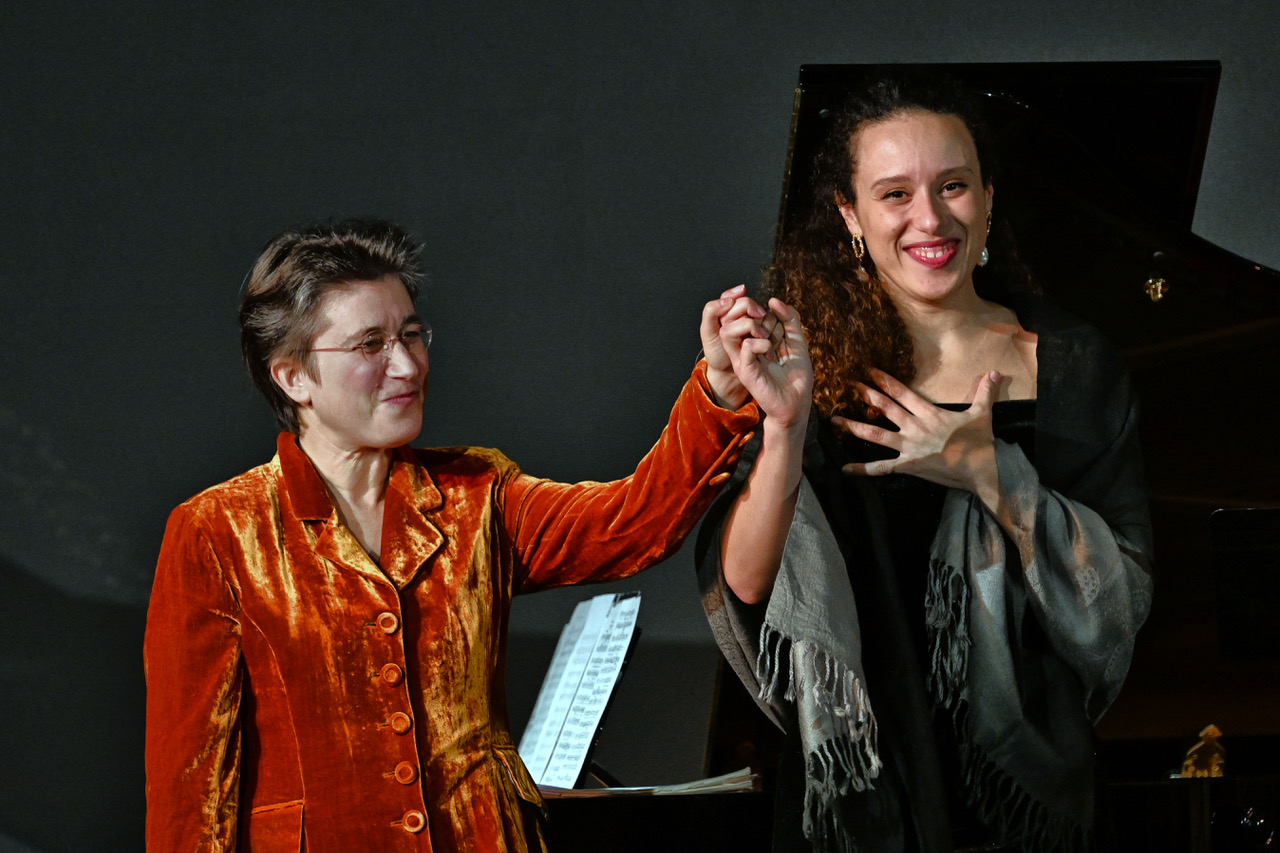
(802, 672)
(1001, 802)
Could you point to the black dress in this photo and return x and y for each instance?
(1030, 655)
(897, 651)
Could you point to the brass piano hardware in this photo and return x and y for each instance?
(1156, 288)
(1207, 758)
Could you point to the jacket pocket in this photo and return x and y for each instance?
(276, 828)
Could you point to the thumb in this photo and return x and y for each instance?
(988, 388)
(789, 316)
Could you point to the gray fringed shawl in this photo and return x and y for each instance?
(1079, 568)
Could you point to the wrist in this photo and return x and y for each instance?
(726, 391)
(984, 476)
(791, 431)
(791, 423)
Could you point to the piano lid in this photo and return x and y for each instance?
(1145, 123)
(1098, 170)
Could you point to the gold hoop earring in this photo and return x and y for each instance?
(859, 252)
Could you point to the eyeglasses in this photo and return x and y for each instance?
(415, 340)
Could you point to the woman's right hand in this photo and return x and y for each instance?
(770, 357)
(771, 360)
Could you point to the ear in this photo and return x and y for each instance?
(850, 217)
(292, 378)
(991, 193)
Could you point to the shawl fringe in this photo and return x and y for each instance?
(848, 759)
(946, 608)
(1006, 807)
(1001, 803)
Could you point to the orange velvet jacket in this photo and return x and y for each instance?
(300, 697)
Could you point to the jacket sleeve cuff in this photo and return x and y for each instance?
(747, 415)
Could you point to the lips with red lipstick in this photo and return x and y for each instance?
(933, 253)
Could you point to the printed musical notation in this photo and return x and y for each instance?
(583, 673)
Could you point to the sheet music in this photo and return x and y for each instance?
(737, 782)
(584, 669)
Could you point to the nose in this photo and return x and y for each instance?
(929, 212)
(401, 362)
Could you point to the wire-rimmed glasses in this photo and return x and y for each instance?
(377, 346)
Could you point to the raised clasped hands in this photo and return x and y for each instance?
(758, 352)
(955, 449)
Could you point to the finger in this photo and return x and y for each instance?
(751, 307)
(709, 327)
(773, 328)
(743, 327)
(870, 432)
(717, 308)
(904, 396)
(756, 349)
(794, 345)
(988, 389)
(890, 407)
(790, 320)
(714, 312)
(744, 306)
(770, 328)
(871, 469)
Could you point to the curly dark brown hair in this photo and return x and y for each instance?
(852, 324)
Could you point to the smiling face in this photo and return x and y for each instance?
(350, 401)
(920, 204)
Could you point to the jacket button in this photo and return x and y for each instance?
(388, 623)
(406, 773)
(392, 674)
(401, 722)
(414, 821)
(719, 478)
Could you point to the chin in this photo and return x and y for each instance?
(398, 434)
(407, 436)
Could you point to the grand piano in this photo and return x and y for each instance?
(1100, 166)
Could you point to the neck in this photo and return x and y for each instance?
(962, 314)
(354, 477)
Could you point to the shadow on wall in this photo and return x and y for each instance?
(72, 720)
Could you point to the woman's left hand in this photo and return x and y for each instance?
(721, 372)
(955, 449)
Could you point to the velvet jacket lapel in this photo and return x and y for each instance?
(409, 537)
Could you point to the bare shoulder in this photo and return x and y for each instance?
(1013, 353)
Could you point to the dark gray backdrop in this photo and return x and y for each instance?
(583, 175)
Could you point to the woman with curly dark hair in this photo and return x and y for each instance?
(934, 588)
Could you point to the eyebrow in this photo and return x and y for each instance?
(407, 321)
(898, 179)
